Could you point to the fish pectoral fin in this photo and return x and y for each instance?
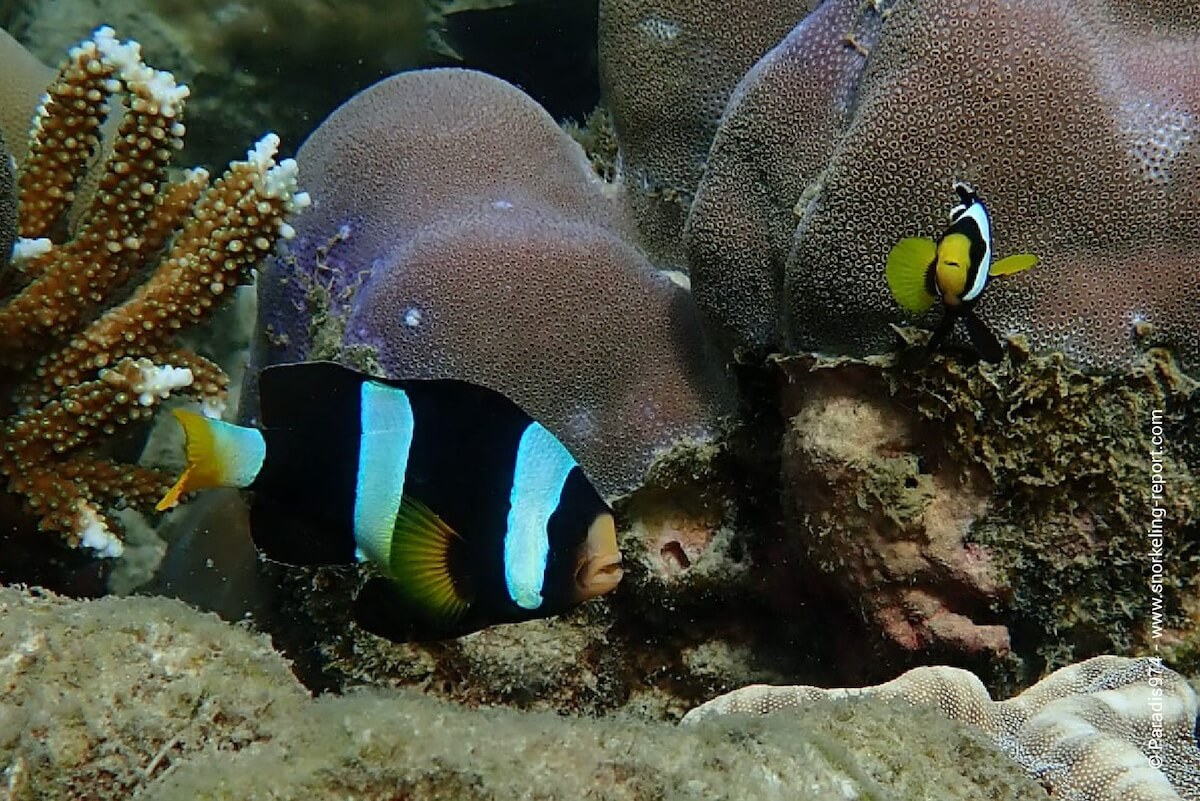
(419, 562)
(908, 266)
(984, 340)
(1013, 264)
(219, 454)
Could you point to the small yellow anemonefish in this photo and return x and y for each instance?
(954, 269)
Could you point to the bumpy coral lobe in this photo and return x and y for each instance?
(779, 132)
(1078, 123)
(460, 233)
(667, 69)
(1107, 729)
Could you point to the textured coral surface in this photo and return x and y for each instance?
(1084, 146)
(1107, 729)
(667, 68)
(458, 232)
(116, 698)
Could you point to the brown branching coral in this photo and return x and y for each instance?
(78, 365)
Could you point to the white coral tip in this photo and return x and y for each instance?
(94, 533)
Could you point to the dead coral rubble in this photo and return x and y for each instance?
(1107, 729)
(82, 354)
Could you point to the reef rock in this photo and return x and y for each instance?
(147, 698)
(456, 231)
(667, 68)
(1077, 122)
(963, 511)
(1108, 729)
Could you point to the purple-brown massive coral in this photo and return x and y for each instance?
(1077, 122)
(667, 67)
(456, 231)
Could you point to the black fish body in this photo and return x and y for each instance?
(473, 513)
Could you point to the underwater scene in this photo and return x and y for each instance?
(611, 399)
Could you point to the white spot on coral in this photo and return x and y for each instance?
(213, 408)
(502, 205)
(156, 85)
(662, 30)
(412, 317)
(581, 425)
(94, 533)
(30, 248)
(155, 383)
(1157, 136)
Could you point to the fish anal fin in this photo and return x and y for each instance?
(384, 609)
(1013, 264)
(984, 340)
(908, 266)
(420, 563)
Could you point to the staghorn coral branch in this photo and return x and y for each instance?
(122, 394)
(110, 483)
(62, 505)
(79, 371)
(66, 135)
(232, 226)
(109, 242)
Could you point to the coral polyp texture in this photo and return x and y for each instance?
(458, 232)
(667, 68)
(104, 277)
(1077, 122)
(1108, 729)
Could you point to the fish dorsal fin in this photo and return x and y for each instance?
(908, 266)
(420, 562)
(1013, 264)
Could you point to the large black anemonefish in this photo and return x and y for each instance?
(472, 511)
(954, 269)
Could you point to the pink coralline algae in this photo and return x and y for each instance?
(456, 231)
(1078, 122)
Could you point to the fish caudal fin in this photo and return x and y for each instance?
(908, 266)
(1013, 264)
(219, 454)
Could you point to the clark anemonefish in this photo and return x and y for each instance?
(473, 512)
(955, 269)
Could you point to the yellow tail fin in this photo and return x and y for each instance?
(219, 454)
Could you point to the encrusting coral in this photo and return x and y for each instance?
(462, 234)
(1108, 729)
(1084, 145)
(106, 275)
